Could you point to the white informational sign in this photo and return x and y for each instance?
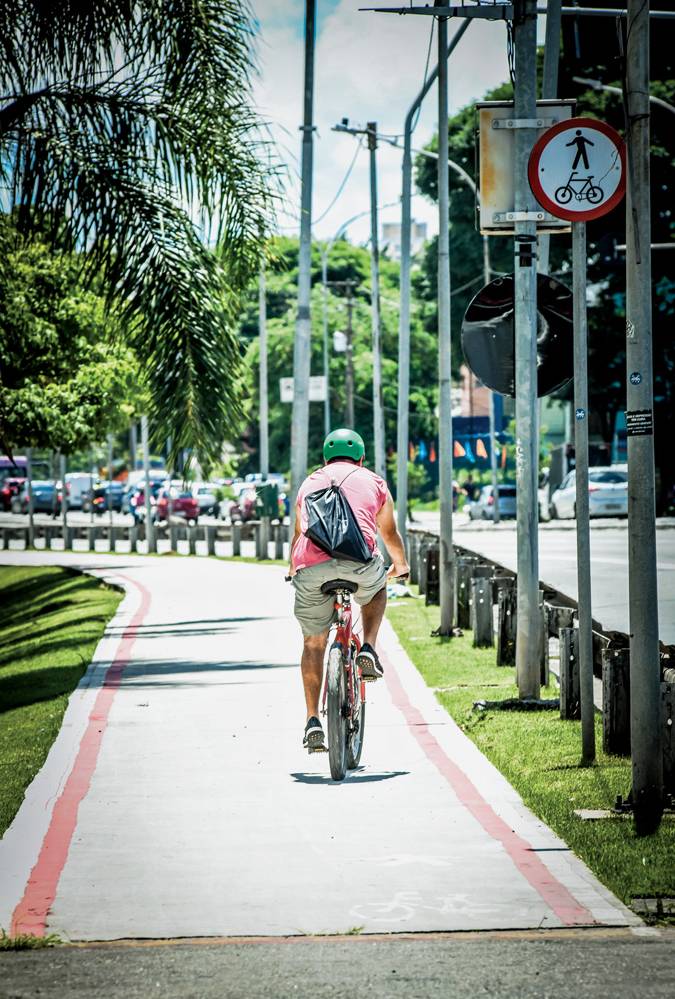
(577, 169)
(339, 342)
(497, 135)
(317, 389)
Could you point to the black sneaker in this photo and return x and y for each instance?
(314, 740)
(369, 664)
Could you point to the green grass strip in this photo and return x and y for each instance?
(540, 755)
(51, 620)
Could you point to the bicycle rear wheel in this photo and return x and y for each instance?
(336, 705)
(355, 740)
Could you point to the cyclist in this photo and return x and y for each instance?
(373, 508)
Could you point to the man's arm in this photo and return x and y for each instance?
(386, 526)
(296, 535)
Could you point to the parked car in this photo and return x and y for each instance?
(45, 497)
(11, 487)
(174, 502)
(607, 494)
(107, 496)
(78, 489)
(205, 494)
(484, 507)
(245, 507)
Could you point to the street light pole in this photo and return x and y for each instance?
(378, 408)
(647, 792)
(446, 555)
(525, 307)
(150, 539)
(301, 347)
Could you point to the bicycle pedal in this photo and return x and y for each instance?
(317, 749)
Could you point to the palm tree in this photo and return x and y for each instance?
(126, 131)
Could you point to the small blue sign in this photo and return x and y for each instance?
(635, 378)
(580, 414)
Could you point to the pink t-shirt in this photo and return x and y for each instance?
(366, 494)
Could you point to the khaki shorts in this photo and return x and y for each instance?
(315, 611)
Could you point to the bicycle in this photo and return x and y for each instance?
(587, 192)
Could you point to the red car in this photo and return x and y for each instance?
(172, 502)
(10, 489)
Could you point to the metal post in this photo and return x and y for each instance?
(378, 410)
(64, 496)
(644, 625)
(326, 354)
(303, 330)
(133, 442)
(263, 386)
(402, 437)
(525, 303)
(349, 362)
(110, 478)
(583, 528)
(549, 91)
(150, 540)
(31, 511)
(446, 553)
(487, 275)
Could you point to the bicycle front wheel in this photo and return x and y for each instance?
(336, 705)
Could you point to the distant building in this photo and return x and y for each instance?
(391, 237)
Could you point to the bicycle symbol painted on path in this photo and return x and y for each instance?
(581, 188)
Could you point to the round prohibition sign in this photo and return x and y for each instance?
(577, 169)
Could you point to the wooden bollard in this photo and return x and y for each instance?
(112, 537)
(422, 566)
(413, 556)
(616, 701)
(279, 541)
(192, 540)
(133, 539)
(68, 539)
(543, 642)
(210, 539)
(507, 624)
(481, 612)
(477, 571)
(236, 539)
(91, 538)
(432, 594)
(173, 537)
(463, 566)
(570, 698)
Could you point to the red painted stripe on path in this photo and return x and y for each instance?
(556, 896)
(30, 915)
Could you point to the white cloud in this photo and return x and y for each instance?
(369, 67)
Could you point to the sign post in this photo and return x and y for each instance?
(577, 172)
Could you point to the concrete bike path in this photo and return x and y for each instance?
(178, 802)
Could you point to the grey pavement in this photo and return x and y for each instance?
(182, 804)
(518, 966)
(558, 563)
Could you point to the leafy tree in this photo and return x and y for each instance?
(122, 123)
(68, 377)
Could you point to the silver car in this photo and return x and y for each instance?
(607, 494)
(484, 507)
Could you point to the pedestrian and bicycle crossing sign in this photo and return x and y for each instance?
(577, 169)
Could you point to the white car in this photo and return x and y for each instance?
(78, 486)
(607, 494)
(205, 494)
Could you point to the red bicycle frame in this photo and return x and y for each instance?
(351, 646)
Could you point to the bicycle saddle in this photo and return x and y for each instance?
(335, 585)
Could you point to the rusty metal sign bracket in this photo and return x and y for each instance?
(524, 122)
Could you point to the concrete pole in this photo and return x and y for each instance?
(581, 477)
(525, 303)
(487, 275)
(110, 477)
(263, 384)
(446, 557)
(402, 437)
(31, 511)
(378, 407)
(644, 625)
(349, 362)
(133, 444)
(303, 329)
(326, 354)
(549, 91)
(151, 543)
(64, 495)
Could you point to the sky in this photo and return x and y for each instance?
(369, 67)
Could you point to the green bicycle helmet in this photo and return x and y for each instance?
(343, 443)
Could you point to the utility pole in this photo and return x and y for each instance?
(647, 765)
(348, 287)
(581, 481)
(378, 407)
(447, 557)
(326, 356)
(525, 305)
(262, 377)
(303, 330)
(150, 539)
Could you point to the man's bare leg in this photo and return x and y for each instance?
(371, 615)
(311, 665)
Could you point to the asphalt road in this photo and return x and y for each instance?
(541, 965)
(558, 564)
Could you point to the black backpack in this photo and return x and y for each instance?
(332, 526)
